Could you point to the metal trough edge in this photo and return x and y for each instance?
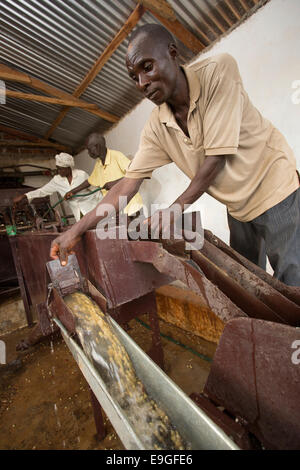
(193, 424)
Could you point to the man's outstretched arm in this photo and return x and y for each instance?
(76, 190)
(63, 245)
(204, 177)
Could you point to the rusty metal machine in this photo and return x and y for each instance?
(253, 387)
(18, 221)
(37, 217)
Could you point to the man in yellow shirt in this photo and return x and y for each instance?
(110, 167)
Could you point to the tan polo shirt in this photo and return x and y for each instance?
(260, 168)
(114, 168)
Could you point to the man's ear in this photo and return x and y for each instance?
(173, 50)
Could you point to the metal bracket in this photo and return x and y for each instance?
(66, 279)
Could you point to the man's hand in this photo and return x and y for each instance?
(63, 246)
(68, 195)
(109, 185)
(162, 223)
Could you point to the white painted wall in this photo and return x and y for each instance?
(267, 49)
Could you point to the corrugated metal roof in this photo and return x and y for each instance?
(58, 42)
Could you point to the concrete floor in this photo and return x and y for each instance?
(44, 399)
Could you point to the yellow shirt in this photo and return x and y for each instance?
(114, 168)
(260, 168)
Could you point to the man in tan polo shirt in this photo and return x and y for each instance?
(206, 124)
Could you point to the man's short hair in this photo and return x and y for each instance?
(98, 136)
(157, 32)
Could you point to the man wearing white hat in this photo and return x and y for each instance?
(67, 178)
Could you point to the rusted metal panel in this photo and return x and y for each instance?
(176, 268)
(113, 271)
(8, 272)
(255, 377)
(7, 268)
(22, 285)
(232, 428)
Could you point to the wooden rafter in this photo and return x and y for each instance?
(15, 143)
(10, 74)
(47, 99)
(101, 61)
(31, 138)
(19, 134)
(187, 38)
(27, 152)
(165, 14)
(162, 8)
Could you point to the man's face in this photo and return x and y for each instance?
(96, 148)
(153, 68)
(63, 172)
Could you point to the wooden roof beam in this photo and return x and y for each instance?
(160, 7)
(101, 61)
(110, 49)
(19, 134)
(26, 152)
(43, 144)
(187, 38)
(25, 136)
(47, 99)
(9, 74)
(174, 26)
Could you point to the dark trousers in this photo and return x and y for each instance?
(275, 233)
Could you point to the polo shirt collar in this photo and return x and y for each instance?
(165, 114)
(107, 160)
(194, 86)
